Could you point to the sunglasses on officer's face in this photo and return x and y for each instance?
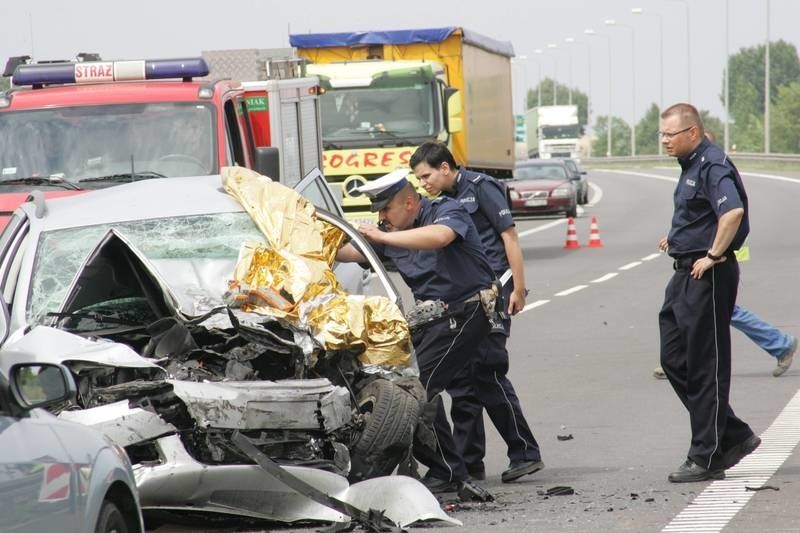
(667, 135)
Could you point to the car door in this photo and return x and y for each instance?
(38, 484)
(315, 189)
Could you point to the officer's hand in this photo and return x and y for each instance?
(662, 244)
(371, 233)
(704, 263)
(516, 302)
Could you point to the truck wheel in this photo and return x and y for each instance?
(111, 519)
(390, 415)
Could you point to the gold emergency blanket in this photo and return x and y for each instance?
(291, 279)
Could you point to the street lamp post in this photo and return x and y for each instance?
(555, 48)
(612, 22)
(539, 52)
(591, 32)
(640, 11)
(552, 46)
(727, 78)
(518, 61)
(572, 41)
(688, 49)
(766, 88)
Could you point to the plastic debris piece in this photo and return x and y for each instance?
(565, 437)
(557, 491)
(762, 487)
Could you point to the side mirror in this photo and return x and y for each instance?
(453, 107)
(41, 384)
(268, 162)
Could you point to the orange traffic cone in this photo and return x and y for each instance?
(594, 235)
(572, 235)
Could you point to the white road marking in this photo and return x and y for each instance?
(642, 174)
(630, 265)
(716, 506)
(597, 196)
(533, 305)
(543, 227)
(674, 180)
(651, 256)
(605, 278)
(771, 177)
(576, 288)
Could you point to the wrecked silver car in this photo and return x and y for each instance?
(127, 287)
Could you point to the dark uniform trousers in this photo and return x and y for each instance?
(443, 349)
(696, 355)
(485, 385)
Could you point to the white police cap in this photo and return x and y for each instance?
(382, 190)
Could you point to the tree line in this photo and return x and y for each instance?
(746, 107)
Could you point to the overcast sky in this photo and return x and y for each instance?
(172, 28)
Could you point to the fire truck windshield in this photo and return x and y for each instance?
(103, 142)
(356, 114)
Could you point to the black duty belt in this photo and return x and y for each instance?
(685, 262)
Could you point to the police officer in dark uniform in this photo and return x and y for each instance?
(485, 384)
(710, 221)
(436, 248)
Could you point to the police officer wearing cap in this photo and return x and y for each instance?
(436, 249)
(709, 222)
(485, 384)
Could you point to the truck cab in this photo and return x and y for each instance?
(375, 113)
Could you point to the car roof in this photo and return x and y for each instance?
(144, 199)
(541, 163)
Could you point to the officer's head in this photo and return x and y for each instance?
(681, 129)
(401, 211)
(434, 166)
(391, 197)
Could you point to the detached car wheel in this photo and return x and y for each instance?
(390, 416)
(111, 519)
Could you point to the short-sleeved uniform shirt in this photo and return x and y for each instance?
(451, 274)
(709, 187)
(484, 198)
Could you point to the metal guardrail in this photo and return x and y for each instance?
(737, 156)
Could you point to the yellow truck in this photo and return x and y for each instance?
(387, 92)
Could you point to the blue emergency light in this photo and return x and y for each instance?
(100, 71)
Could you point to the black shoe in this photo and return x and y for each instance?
(691, 471)
(517, 469)
(477, 472)
(740, 451)
(437, 485)
(470, 492)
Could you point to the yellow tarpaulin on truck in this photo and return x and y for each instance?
(291, 278)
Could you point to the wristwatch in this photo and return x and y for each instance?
(713, 257)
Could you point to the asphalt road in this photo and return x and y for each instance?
(582, 362)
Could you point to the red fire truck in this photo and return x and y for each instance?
(71, 126)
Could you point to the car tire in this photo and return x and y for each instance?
(111, 519)
(573, 211)
(390, 416)
(584, 199)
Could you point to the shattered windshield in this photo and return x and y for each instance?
(377, 113)
(95, 146)
(198, 246)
